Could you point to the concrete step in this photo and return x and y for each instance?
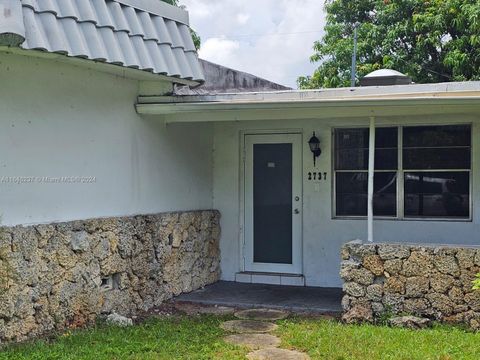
(249, 277)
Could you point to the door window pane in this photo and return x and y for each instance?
(437, 194)
(272, 199)
(352, 191)
(437, 147)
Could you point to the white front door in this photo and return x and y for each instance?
(273, 203)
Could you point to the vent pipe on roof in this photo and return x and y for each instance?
(385, 77)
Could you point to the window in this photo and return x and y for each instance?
(351, 165)
(437, 165)
(425, 175)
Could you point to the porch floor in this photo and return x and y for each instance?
(292, 298)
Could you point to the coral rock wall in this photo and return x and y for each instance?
(59, 276)
(422, 280)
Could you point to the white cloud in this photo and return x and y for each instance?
(199, 11)
(269, 38)
(243, 18)
(222, 50)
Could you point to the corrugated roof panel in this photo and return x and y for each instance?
(67, 9)
(162, 31)
(96, 47)
(173, 69)
(78, 47)
(35, 38)
(146, 62)
(174, 34)
(118, 16)
(30, 3)
(129, 58)
(186, 38)
(114, 54)
(133, 21)
(197, 70)
(156, 56)
(182, 62)
(149, 31)
(115, 32)
(85, 11)
(53, 32)
(103, 14)
(47, 6)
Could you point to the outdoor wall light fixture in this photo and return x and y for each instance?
(314, 144)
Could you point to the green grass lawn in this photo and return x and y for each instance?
(199, 337)
(335, 341)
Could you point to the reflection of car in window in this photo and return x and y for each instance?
(431, 163)
(437, 194)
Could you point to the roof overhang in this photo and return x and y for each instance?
(116, 70)
(430, 99)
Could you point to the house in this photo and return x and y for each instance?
(120, 189)
(425, 175)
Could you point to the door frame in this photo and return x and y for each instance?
(242, 194)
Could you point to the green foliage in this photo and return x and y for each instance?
(386, 316)
(429, 40)
(196, 38)
(476, 282)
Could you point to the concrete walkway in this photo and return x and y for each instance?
(252, 333)
(291, 298)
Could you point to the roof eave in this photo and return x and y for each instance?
(318, 109)
(174, 107)
(117, 70)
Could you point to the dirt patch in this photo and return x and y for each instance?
(196, 309)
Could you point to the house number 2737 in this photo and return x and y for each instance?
(317, 176)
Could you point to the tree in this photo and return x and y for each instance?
(196, 38)
(429, 40)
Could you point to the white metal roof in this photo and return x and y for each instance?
(147, 35)
(348, 94)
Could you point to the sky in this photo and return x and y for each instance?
(272, 39)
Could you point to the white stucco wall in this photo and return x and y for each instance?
(322, 235)
(59, 120)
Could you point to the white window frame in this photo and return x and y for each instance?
(401, 177)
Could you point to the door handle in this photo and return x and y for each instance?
(296, 211)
